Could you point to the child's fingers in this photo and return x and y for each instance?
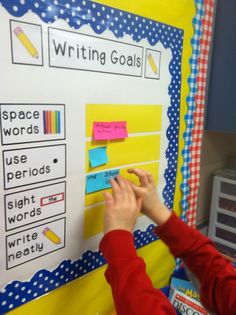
(137, 190)
(141, 175)
(122, 183)
(115, 189)
(126, 190)
(150, 178)
(139, 203)
(145, 173)
(130, 192)
(129, 186)
(109, 200)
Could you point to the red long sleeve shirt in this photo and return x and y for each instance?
(132, 289)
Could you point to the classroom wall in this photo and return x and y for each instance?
(218, 151)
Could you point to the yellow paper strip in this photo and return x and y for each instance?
(97, 196)
(93, 221)
(129, 151)
(139, 118)
(91, 216)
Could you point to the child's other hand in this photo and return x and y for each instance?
(151, 206)
(122, 207)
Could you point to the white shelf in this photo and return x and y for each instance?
(226, 212)
(217, 208)
(224, 242)
(226, 228)
(227, 196)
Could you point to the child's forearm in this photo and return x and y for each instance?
(160, 214)
(216, 275)
(132, 289)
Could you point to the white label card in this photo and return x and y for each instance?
(23, 166)
(32, 243)
(78, 51)
(33, 205)
(32, 123)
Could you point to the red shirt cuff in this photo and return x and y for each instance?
(118, 244)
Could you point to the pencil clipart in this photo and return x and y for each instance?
(20, 34)
(53, 237)
(152, 63)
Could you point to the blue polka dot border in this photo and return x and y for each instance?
(44, 281)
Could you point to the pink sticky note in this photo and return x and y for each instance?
(109, 130)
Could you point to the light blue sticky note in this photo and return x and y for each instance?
(98, 156)
(99, 181)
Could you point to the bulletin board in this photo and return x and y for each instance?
(89, 90)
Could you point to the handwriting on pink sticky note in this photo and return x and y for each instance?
(109, 130)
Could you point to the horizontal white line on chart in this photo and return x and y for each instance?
(130, 135)
(123, 166)
(94, 205)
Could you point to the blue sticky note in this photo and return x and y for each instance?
(99, 181)
(98, 156)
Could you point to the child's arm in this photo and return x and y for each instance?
(216, 275)
(132, 289)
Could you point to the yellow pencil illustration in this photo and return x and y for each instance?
(53, 237)
(26, 42)
(152, 63)
(53, 121)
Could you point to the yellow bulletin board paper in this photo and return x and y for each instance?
(130, 151)
(97, 298)
(139, 118)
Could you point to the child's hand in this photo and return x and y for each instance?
(122, 207)
(151, 206)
